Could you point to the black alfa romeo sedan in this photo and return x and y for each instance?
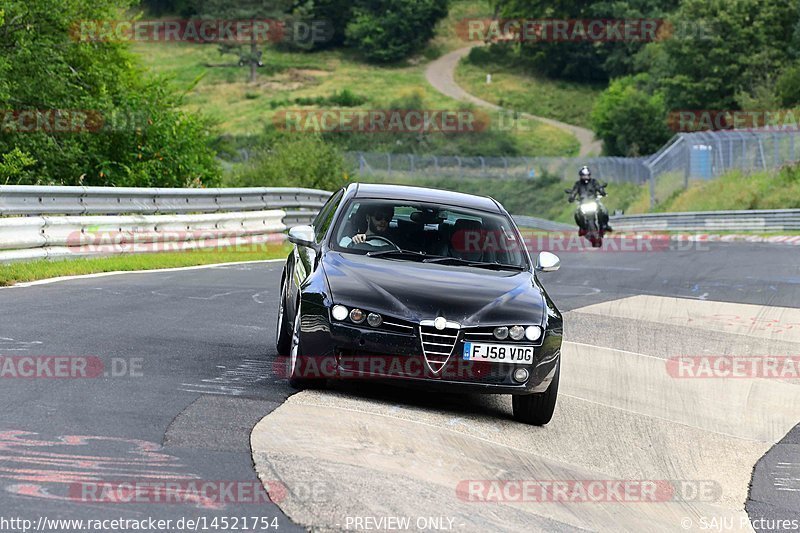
(424, 286)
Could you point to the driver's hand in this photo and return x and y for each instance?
(359, 238)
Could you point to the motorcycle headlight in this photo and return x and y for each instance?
(588, 208)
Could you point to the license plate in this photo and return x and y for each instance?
(498, 353)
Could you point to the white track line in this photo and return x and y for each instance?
(120, 272)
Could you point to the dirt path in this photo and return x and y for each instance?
(441, 75)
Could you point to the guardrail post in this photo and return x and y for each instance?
(652, 179)
(389, 163)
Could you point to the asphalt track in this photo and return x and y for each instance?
(202, 341)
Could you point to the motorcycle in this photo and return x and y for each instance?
(587, 216)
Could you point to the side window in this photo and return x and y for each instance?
(325, 217)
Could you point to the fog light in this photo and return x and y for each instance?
(374, 319)
(501, 333)
(533, 333)
(357, 316)
(516, 332)
(339, 312)
(521, 375)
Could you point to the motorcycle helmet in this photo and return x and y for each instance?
(585, 174)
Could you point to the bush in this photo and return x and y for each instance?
(296, 161)
(390, 30)
(630, 121)
(141, 139)
(788, 86)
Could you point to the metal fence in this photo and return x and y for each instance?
(687, 157)
(614, 169)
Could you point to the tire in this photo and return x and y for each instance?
(537, 409)
(294, 359)
(283, 340)
(597, 242)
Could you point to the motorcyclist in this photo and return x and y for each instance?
(588, 187)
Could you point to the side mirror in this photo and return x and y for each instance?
(302, 236)
(547, 262)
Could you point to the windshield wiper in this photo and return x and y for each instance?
(479, 264)
(398, 252)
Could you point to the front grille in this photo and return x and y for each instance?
(437, 345)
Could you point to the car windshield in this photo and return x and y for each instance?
(422, 232)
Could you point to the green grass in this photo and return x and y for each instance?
(516, 90)
(42, 269)
(214, 86)
(737, 190)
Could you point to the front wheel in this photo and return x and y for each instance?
(296, 367)
(537, 409)
(283, 341)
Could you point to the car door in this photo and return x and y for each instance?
(305, 260)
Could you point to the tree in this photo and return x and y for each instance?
(273, 12)
(134, 134)
(390, 30)
(582, 60)
(721, 48)
(630, 121)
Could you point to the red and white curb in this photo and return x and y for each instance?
(709, 237)
(681, 237)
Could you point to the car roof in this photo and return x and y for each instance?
(423, 194)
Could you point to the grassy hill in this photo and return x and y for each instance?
(218, 88)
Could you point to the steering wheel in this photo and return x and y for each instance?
(381, 238)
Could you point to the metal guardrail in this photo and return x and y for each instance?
(757, 220)
(541, 223)
(47, 237)
(58, 222)
(62, 222)
(62, 200)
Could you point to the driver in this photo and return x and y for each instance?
(378, 218)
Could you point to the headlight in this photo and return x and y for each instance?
(516, 332)
(588, 208)
(501, 333)
(357, 316)
(339, 312)
(533, 333)
(374, 320)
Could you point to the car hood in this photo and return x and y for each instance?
(422, 291)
